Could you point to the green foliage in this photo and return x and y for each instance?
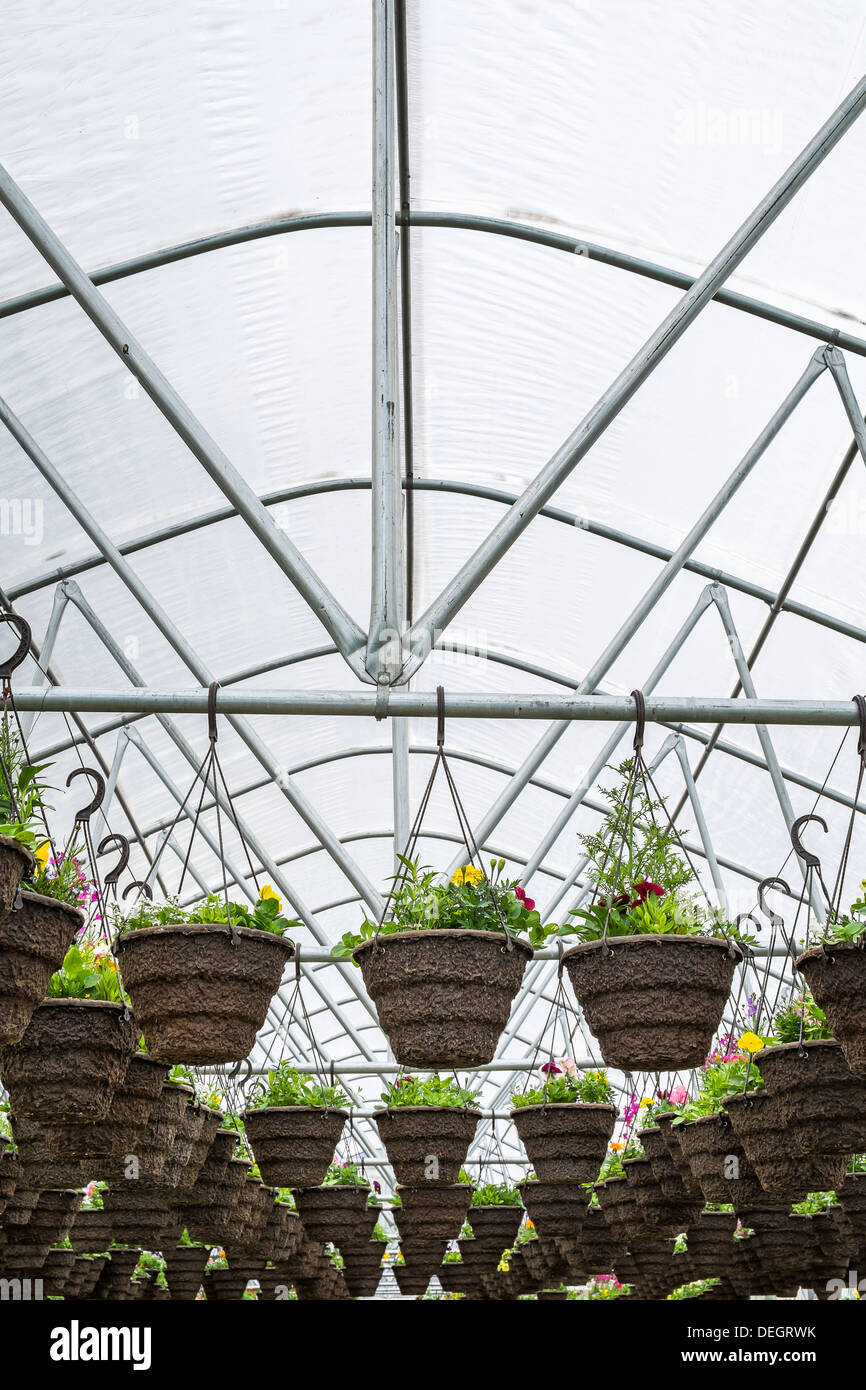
(92, 1199)
(86, 973)
(693, 1289)
(601, 1287)
(22, 807)
(616, 1156)
(345, 1175)
(800, 1010)
(716, 1083)
(285, 1086)
(430, 1090)
(496, 1194)
(815, 1202)
(563, 1084)
(645, 893)
(61, 876)
(265, 915)
(469, 901)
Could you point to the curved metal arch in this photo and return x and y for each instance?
(498, 226)
(487, 494)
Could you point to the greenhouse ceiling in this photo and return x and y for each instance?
(353, 351)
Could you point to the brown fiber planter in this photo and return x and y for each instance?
(114, 1139)
(836, 975)
(15, 861)
(199, 999)
(432, 1213)
(759, 1124)
(653, 1002)
(555, 1208)
(70, 1061)
(336, 1213)
(673, 1182)
(565, 1142)
(33, 942)
(443, 997)
(719, 1162)
(495, 1227)
(426, 1143)
(823, 1102)
(664, 1216)
(92, 1231)
(294, 1144)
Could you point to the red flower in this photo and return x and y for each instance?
(551, 1069)
(644, 889)
(528, 903)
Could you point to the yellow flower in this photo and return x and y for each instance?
(266, 891)
(42, 852)
(617, 1147)
(471, 874)
(751, 1043)
(457, 877)
(647, 1100)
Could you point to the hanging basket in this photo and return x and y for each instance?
(70, 1061)
(426, 1143)
(664, 1215)
(443, 997)
(823, 1103)
(200, 999)
(555, 1208)
(760, 1126)
(836, 976)
(718, 1161)
(433, 1213)
(16, 861)
(653, 1002)
(293, 1144)
(33, 941)
(335, 1213)
(565, 1142)
(674, 1182)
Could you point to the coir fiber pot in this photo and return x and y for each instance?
(199, 998)
(15, 861)
(433, 1213)
(565, 1142)
(70, 1061)
(495, 1227)
(823, 1102)
(336, 1212)
(114, 1139)
(33, 941)
(670, 1134)
(675, 1179)
(836, 976)
(184, 1270)
(426, 1143)
(759, 1124)
(653, 1002)
(92, 1231)
(156, 1140)
(443, 997)
(719, 1162)
(293, 1145)
(555, 1208)
(664, 1216)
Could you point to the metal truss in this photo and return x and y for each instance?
(383, 660)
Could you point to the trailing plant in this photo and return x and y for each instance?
(421, 900)
(496, 1194)
(87, 973)
(22, 804)
(564, 1084)
(643, 884)
(431, 1090)
(265, 915)
(616, 1156)
(285, 1086)
(800, 1012)
(718, 1081)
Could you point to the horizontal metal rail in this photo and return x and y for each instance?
(404, 704)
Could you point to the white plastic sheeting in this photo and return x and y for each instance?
(651, 128)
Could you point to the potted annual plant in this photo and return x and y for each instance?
(77, 1046)
(565, 1122)
(653, 969)
(718, 1161)
(804, 1068)
(294, 1124)
(444, 967)
(835, 971)
(41, 894)
(427, 1127)
(201, 979)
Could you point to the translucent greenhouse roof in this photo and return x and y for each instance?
(573, 169)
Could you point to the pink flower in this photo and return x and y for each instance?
(678, 1096)
(550, 1069)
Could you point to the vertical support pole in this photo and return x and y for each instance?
(384, 646)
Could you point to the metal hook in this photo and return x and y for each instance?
(140, 884)
(860, 703)
(297, 962)
(96, 777)
(440, 716)
(115, 841)
(20, 654)
(748, 917)
(766, 883)
(806, 855)
(640, 719)
(211, 710)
